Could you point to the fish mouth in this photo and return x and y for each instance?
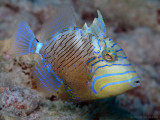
(138, 83)
(135, 82)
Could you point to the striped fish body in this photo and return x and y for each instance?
(68, 53)
(76, 64)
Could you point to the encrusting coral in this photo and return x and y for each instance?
(18, 100)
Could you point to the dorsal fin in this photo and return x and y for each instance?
(61, 19)
(85, 27)
(97, 27)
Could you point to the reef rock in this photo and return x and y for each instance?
(19, 101)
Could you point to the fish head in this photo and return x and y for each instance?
(112, 73)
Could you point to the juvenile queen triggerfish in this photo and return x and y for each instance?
(76, 64)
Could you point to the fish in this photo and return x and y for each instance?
(76, 64)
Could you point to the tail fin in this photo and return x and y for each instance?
(24, 41)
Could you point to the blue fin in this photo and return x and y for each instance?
(61, 19)
(24, 42)
(98, 26)
(46, 77)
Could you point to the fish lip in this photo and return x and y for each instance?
(135, 82)
(138, 83)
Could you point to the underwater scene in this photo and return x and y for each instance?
(79, 59)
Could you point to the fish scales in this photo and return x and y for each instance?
(76, 64)
(70, 55)
(68, 50)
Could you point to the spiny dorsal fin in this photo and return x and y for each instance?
(85, 27)
(98, 27)
(61, 19)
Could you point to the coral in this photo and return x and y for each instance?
(22, 103)
(100, 109)
(19, 101)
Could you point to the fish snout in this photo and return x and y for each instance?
(135, 82)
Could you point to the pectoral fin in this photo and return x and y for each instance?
(45, 77)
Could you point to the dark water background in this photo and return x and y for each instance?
(134, 24)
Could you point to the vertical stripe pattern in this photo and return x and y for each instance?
(71, 49)
(68, 55)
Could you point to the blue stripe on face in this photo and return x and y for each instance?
(107, 75)
(96, 62)
(113, 45)
(96, 52)
(105, 44)
(91, 60)
(119, 50)
(122, 57)
(99, 44)
(119, 82)
(103, 35)
(111, 66)
(113, 53)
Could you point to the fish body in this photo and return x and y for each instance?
(76, 64)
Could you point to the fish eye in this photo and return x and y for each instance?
(109, 55)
